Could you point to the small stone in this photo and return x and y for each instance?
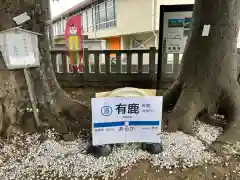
(226, 164)
(69, 137)
(152, 148)
(227, 158)
(99, 151)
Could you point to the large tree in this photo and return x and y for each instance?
(207, 81)
(56, 109)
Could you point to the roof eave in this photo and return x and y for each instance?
(73, 9)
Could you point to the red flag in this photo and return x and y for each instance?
(76, 22)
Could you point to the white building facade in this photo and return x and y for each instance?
(122, 24)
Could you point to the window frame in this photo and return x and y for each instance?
(100, 25)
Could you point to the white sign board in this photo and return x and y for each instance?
(177, 27)
(175, 36)
(175, 41)
(126, 119)
(20, 50)
(21, 18)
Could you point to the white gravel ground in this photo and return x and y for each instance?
(26, 157)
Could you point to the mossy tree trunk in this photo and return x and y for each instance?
(207, 80)
(57, 109)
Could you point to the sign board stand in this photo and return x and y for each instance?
(170, 28)
(19, 48)
(32, 96)
(126, 119)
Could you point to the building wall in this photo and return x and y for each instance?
(133, 16)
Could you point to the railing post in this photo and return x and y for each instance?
(129, 63)
(86, 66)
(118, 62)
(175, 63)
(64, 62)
(164, 64)
(152, 59)
(96, 63)
(107, 62)
(54, 61)
(140, 62)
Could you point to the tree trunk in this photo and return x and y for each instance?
(207, 80)
(57, 109)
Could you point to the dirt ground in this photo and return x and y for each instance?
(228, 170)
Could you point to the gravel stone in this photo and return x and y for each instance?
(26, 157)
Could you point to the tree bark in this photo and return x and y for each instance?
(57, 109)
(207, 80)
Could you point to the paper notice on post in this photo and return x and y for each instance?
(21, 18)
(126, 119)
(20, 50)
(206, 29)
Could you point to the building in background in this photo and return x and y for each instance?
(116, 24)
(124, 24)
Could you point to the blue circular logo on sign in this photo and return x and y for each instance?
(106, 110)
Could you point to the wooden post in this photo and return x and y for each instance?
(86, 65)
(54, 61)
(64, 62)
(140, 62)
(175, 64)
(164, 65)
(96, 63)
(107, 63)
(118, 62)
(152, 59)
(32, 96)
(129, 63)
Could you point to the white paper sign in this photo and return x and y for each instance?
(238, 40)
(175, 41)
(20, 50)
(21, 18)
(126, 119)
(206, 30)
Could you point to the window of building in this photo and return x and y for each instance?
(59, 27)
(64, 24)
(101, 6)
(110, 14)
(110, 3)
(84, 21)
(89, 17)
(101, 15)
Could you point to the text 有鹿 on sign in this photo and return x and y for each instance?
(126, 119)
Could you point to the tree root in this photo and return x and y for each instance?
(211, 120)
(171, 96)
(185, 111)
(191, 106)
